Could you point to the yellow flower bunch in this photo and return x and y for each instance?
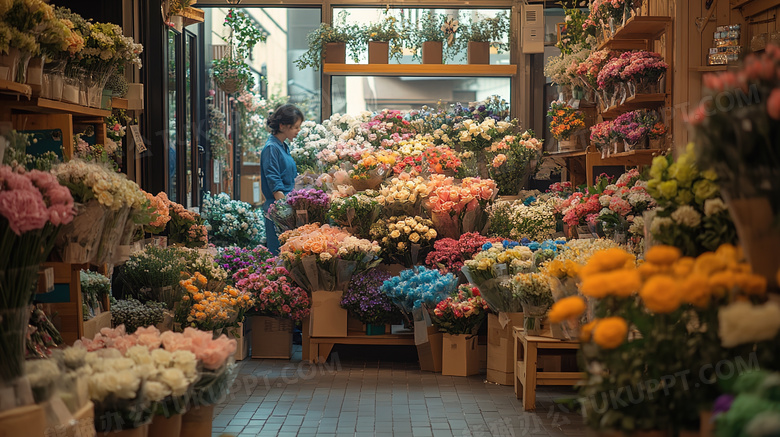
(611, 272)
(609, 332)
(567, 308)
(211, 306)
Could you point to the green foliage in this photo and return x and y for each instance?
(387, 31)
(350, 34)
(493, 30)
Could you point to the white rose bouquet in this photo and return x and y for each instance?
(404, 239)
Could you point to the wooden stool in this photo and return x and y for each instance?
(526, 376)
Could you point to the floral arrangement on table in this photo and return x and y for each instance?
(688, 313)
(404, 239)
(311, 140)
(565, 120)
(459, 209)
(419, 287)
(462, 313)
(385, 128)
(511, 159)
(134, 314)
(210, 305)
(515, 220)
(403, 195)
(232, 222)
(386, 31)
(275, 295)
(369, 172)
(185, 227)
(691, 214)
(366, 302)
(739, 143)
(325, 257)
(234, 258)
(356, 213)
(534, 291)
(94, 287)
(441, 160)
(478, 136)
(310, 205)
(449, 255)
(492, 270)
(341, 32)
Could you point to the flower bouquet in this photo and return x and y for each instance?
(644, 72)
(601, 136)
(232, 259)
(356, 213)
(160, 213)
(462, 313)
(282, 215)
(153, 274)
(365, 300)
(631, 130)
(372, 169)
(133, 314)
(449, 255)
(516, 220)
(441, 160)
(565, 268)
(404, 239)
(94, 287)
(478, 136)
(232, 222)
(418, 288)
(210, 305)
(311, 140)
(33, 206)
(325, 257)
(185, 227)
(492, 270)
(511, 161)
(274, 294)
(565, 122)
(310, 205)
(533, 290)
(403, 195)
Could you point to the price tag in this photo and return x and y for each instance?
(217, 175)
(140, 147)
(256, 192)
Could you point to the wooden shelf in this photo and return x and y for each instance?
(631, 158)
(638, 101)
(637, 32)
(713, 68)
(192, 16)
(568, 154)
(453, 70)
(118, 103)
(47, 106)
(7, 86)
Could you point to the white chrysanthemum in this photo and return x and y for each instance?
(659, 223)
(743, 322)
(687, 216)
(714, 206)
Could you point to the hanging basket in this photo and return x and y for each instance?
(231, 85)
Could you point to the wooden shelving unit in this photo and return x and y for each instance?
(192, 16)
(9, 87)
(451, 70)
(637, 32)
(46, 106)
(119, 103)
(638, 101)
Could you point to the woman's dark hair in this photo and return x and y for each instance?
(285, 114)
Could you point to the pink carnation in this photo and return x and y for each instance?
(24, 209)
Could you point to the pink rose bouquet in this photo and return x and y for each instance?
(275, 294)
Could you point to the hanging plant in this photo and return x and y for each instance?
(232, 73)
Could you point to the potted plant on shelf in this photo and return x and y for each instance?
(384, 41)
(484, 33)
(328, 44)
(428, 37)
(175, 9)
(231, 73)
(565, 122)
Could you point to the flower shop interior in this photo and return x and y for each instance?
(474, 218)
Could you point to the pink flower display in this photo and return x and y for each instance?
(30, 200)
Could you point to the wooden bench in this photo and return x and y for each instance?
(526, 375)
(319, 347)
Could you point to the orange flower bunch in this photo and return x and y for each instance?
(441, 158)
(565, 120)
(312, 239)
(212, 306)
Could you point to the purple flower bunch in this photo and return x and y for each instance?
(643, 65)
(365, 300)
(315, 202)
(234, 258)
(630, 127)
(612, 70)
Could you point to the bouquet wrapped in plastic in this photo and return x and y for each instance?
(492, 270)
(282, 215)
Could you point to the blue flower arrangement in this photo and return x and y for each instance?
(419, 286)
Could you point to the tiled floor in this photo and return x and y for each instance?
(351, 397)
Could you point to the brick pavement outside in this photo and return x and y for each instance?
(352, 397)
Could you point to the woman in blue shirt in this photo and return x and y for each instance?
(277, 167)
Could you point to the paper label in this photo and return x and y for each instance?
(217, 175)
(140, 147)
(256, 192)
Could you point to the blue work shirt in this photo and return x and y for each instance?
(277, 170)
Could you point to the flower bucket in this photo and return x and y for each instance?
(197, 422)
(113, 231)
(639, 145)
(372, 329)
(650, 86)
(13, 334)
(11, 62)
(378, 52)
(532, 318)
(758, 235)
(432, 52)
(334, 53)
(657, 143)
(35, 71)
(70, 90)
(478, 52)
(165, 427)
(79, 240)
(567, 145)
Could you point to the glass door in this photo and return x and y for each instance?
(190, 116)
(172, 105)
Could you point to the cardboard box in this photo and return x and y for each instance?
(501, 346)
(95, 324)
(327, 318)
(271, 337)
(460, 355)
(250, 190)
(430, 352)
